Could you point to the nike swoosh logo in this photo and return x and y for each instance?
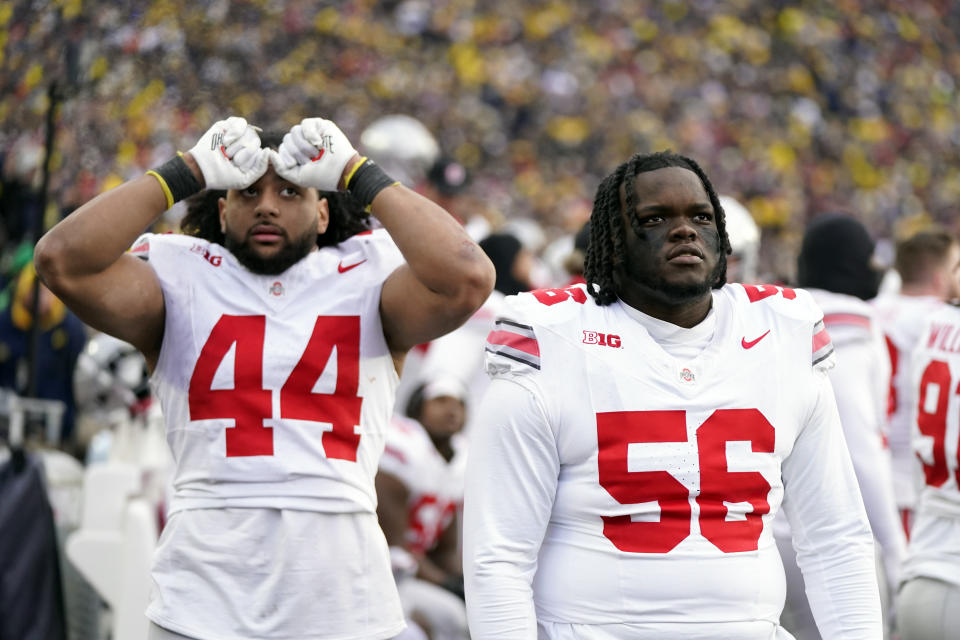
(752, 343)
(343, 269)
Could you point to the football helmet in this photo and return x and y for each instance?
(402, 146)
(744, 239)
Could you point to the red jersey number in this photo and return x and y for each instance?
(551, 297)
(759, 292)
(617, 430)
(249, 404)
(934, 424)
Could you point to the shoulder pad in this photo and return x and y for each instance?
(375, 245)
(151, 243)
(550, 306)
(513, 347)
(794, 306)
(786, 302)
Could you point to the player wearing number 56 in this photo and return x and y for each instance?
(642, 430)
(275, 339)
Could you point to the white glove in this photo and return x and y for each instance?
(313, 154)
(230, 156)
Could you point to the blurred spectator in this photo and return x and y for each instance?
(62, 336)
(796, 107)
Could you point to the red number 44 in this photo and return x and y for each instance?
(249, 404)
(617, 430)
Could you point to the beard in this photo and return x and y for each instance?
(289, 254)
(673, 293)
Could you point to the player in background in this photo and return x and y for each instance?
(928, 264)
(275, 362)
(743, 261)
(419, 502)
(641, 431)
(929, 601)
(835, 265)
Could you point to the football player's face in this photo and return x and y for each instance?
(443, 416)
(272, 224)
(673, 245)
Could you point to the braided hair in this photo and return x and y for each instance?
(347, 217)
(607, 234)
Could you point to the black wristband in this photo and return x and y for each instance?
(177, 180)
(367, 181)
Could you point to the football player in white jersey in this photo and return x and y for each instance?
(836, 266)
(275, 362)
(642, 430)
(419, 501)
(929, 600)
(928, 263)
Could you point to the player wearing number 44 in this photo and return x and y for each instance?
(276, 364)
(625, 487)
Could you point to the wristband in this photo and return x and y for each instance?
(366, 181)
(176, 179)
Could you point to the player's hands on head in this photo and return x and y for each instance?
(314, 154)
(229, 155)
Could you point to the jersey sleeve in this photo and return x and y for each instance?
(831, 533)
(141, 248)
(823, 355)
(511, 481)
(512, 347)
(798, 309)
(167, 254)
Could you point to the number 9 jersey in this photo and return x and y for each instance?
(934, 549)
(276, 389)
(633, 491)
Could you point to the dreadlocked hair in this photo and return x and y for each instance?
(607, 246)
(347, 217)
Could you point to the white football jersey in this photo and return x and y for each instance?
(644, 486)
(901, 319)
(276, 390)
(434, 484)
(936, 423)
(861, 384)
(934, 549)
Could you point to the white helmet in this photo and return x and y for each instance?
(402, 146)
(109, 374)
(744, 239)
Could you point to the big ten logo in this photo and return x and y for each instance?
(602, 339)
(203, 251)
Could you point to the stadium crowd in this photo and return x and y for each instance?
(796, 108)
(807, 113)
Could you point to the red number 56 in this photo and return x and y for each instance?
(617, 430)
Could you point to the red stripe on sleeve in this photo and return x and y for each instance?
(516, 341)
(846, 318)
(820, 340)
(395, 453)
